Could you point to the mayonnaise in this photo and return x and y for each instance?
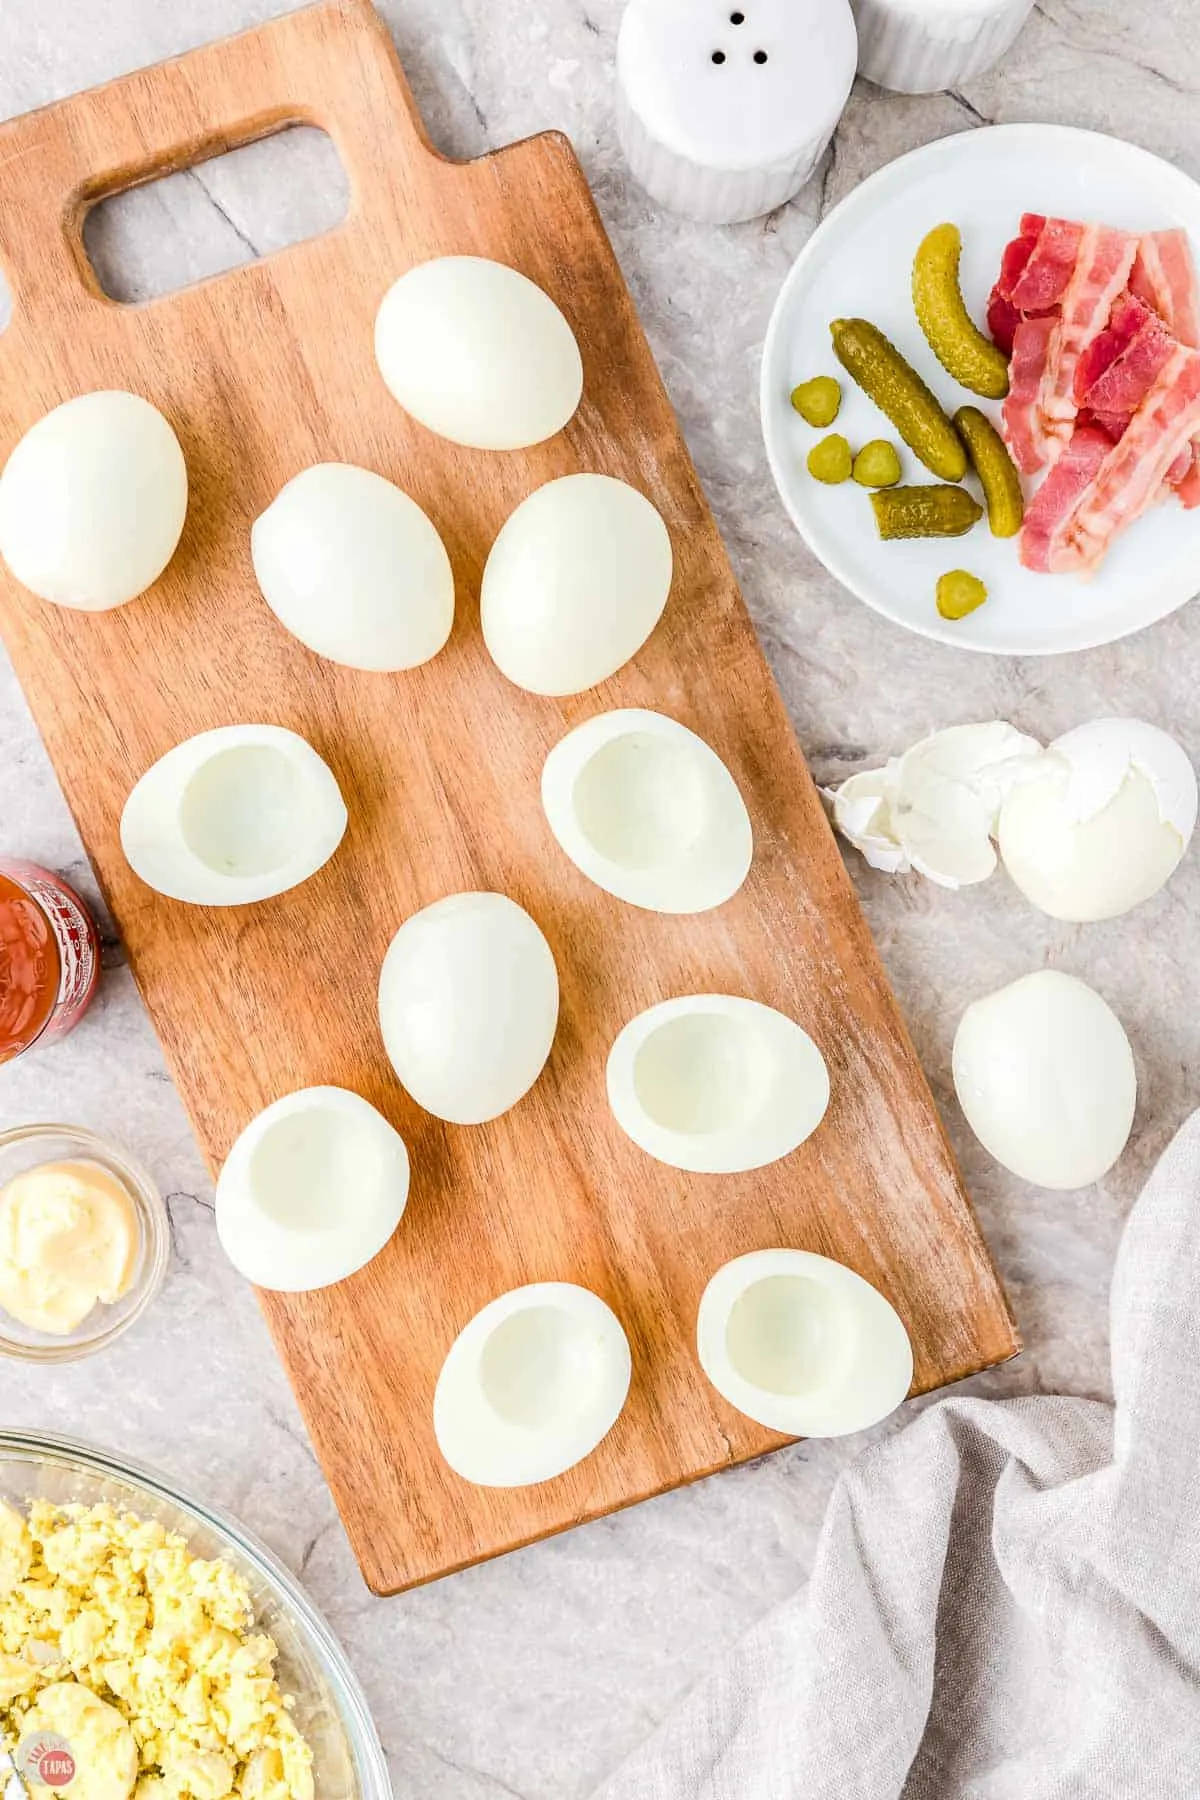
(69, 1238)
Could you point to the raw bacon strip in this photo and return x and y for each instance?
(1120, 367)
(1101, 273)
(1002, 316)
(1164, 275)
(1003, 320)
(1047, 273)
(1020, 414)
(1049, 514)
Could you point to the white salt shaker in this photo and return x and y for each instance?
(921, 46)
(725, 107)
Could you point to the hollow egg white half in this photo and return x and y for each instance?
(468, 1005)
(1104, 822)
(354, 569)
(802, 1344)
(574, 584)
(92, 501)
(1045, 1076)
(646, 810)
(478, 353)
(311, 1191)
(716, 1084)
(531, 1385)
(233, 816)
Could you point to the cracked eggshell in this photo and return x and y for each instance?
(354, 569)
(531, 1385)
(862, 811)
(92, 501)
(646, 810)
(802, 1344)
(478, 353)
(949, 790)
(716, 1084)
(1104, 824)
(311, 1191)
(468, 1005)
(1045, 1076)
(233, 816)
(575, 583)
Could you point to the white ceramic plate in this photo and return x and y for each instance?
(858, 263)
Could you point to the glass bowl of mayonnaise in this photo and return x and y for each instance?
(84, 1242)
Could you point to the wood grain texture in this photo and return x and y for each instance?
(263, 371)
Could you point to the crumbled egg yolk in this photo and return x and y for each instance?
(144, 1657)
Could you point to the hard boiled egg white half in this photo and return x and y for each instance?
(311, 1191)
(575, 583)
(646, 810)
(233, 816)
(716, 1084)
(468, 1004)
(354, 569)
(531, 1385)
(1104, 822)
(802, 1344)
(478, 353)
(92, 501)
(1045, 1075)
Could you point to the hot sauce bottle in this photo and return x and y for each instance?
(49, 957)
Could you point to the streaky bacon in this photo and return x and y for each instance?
(1002, 316)
(1048, 269)
(1002, 321)
(1127, 318)
(1049, 514)
(1101, 273)
(1120, 367)
(1020, 413)
(1164, 275)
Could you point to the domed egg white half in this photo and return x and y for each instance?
(478, 353)
(574, 584)
(716, 1084)
(354, 569)
(92, 501)
(311, 1191)
(645, 809)
(233, 816)
(531, 1385)
(1103, 823)
(802, 1344)
(468, 1005)
(1045, 1076)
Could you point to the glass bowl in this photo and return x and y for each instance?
(26, 1147)
(330, 1708)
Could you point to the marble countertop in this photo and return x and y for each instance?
(535, 1675)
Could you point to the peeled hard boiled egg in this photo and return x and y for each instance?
(531, 1385)
(802, 1344)
(478, 353)
(648, 812)
(468, 1003)
(354, 569)
(1104, 822)
(1045, 1076)
(233, 816)
(575, 583)
(311, 1191)
(92, 501)
(716, 1084)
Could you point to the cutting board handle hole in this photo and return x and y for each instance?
(216, 215)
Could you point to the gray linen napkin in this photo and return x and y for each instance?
(1005, 1600)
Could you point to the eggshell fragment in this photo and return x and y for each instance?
(478, 353)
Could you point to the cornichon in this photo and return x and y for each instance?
(955, 339)
(818, 401)
(996, 470)
(897, 390)
(921, 512)
(831, 460)
(959, 593)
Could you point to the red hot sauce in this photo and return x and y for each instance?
(49, 957)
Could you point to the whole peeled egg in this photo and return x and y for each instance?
(1045, 1076)
(354, 569)
(468, 1005)
(1102, 821)
(575, 583)
(478, 353)
(92, 501)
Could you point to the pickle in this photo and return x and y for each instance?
(959, 593)
(898, 391)
(877, 464)
(955, 339)
(921, 512)
(818, 401)
(831, 460)
(996, 470)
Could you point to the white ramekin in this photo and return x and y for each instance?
(921, 46)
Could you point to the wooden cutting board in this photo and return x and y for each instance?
(263, 371)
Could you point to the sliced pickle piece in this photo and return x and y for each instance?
(877, 464)
(831, 461)
(996, 470)
(955, 339)
(959, 593)
(897, 390)
(925, 512)
(818, 401)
